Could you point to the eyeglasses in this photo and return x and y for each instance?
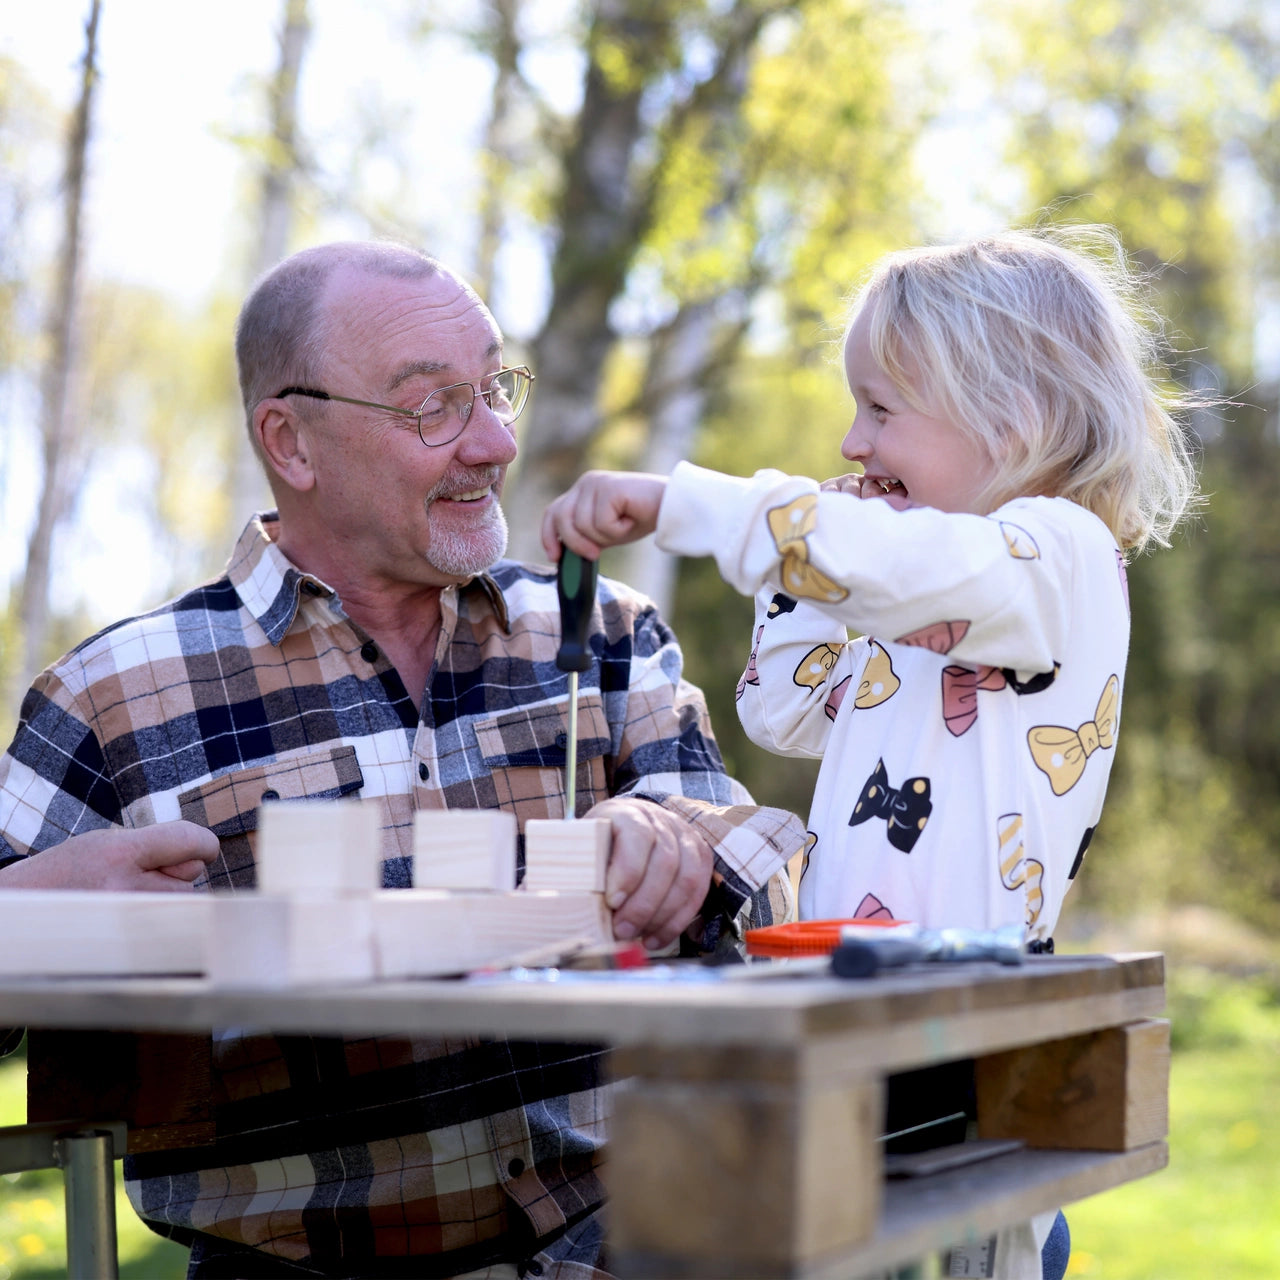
(444, 414)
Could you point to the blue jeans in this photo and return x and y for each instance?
(1056, 1251)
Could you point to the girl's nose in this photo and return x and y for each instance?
(855, 446)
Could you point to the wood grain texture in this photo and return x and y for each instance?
(464, 849)
(428, 933)
(1107, 1090)
(319, 846)
(566, 855)
(771, 1171)
(266, 940)
(69, 932)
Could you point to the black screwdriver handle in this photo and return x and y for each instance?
(576, 586)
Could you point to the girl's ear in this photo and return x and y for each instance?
(283, 440)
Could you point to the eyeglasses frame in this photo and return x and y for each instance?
(418, 412)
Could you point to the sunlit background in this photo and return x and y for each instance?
(667, 206)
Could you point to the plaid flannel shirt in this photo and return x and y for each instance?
(381, 1155)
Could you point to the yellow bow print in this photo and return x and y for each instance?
(789, 526)
(816, 665)
(878, 683)
(1060, 753)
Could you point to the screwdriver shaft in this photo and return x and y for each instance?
(571, 754)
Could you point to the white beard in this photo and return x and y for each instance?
(463, 555)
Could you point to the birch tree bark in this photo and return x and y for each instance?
(61, 415)
(281, 166)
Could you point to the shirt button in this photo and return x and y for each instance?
(269, 794)
(423, 772)
(534, 1268)
(515, 1169)
(562, 740)
(310, 588)
(369, 651)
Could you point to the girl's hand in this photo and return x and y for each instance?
(603, 509)
(850, 483)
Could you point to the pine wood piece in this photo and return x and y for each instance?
(464, 849)
(774, 1169)
(159, 1084)
(319, 846)
(569, 855)
(427, 933)
(69, 932)
(269, 940)
(1107, 1090)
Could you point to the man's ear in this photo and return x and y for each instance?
(283, 439)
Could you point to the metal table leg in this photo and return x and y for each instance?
(85, 1155)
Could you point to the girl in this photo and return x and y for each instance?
(1014, 445)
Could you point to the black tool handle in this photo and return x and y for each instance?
(576, 586)
(864, 959)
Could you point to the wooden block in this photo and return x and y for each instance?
(157, 1083)
(65, 932)
(748, 1174)
(571, 855)
(268, 940)
(464, 849)
(1105, 1091)
(427, 933)
(319, 846)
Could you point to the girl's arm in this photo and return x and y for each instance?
(985, 589)
(795, 679)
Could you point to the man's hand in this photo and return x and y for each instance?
(659, 870)
(603, 509)
(850, 483)
(165, 857)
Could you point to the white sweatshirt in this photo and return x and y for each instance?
(967, 733)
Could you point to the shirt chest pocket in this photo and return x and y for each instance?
(228, 804)
(526, 752)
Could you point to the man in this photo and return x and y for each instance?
(368, 640)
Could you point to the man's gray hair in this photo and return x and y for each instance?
(280, 333)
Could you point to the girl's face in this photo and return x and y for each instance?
(911, 459)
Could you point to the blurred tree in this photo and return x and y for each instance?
(61, 411)
(279, 166)
(1164, 124)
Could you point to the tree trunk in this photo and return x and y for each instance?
(604, 210)
(60, 414)
(249, 489)
(504, 48)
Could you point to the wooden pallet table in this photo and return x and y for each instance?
(744, 1141)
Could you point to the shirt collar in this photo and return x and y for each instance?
(269, 584)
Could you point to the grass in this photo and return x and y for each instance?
(1211, 1213)
(32, 1215)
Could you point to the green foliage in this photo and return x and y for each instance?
(1212, 1211)
(32, 1217)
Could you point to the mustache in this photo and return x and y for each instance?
(463, 480)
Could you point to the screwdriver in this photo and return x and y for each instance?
(576, 587)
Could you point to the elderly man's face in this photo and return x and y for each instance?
(401, 511)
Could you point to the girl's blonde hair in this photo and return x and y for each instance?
(1045, 353)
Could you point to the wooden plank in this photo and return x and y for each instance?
(271, 941)
(568, 855)
(885, 1025)
(319, 846)
(159, 1085)
(426, 933)
(67, 932)
(920, 1217)
(1106, 1090)
(747, 1172)
(464, 849)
